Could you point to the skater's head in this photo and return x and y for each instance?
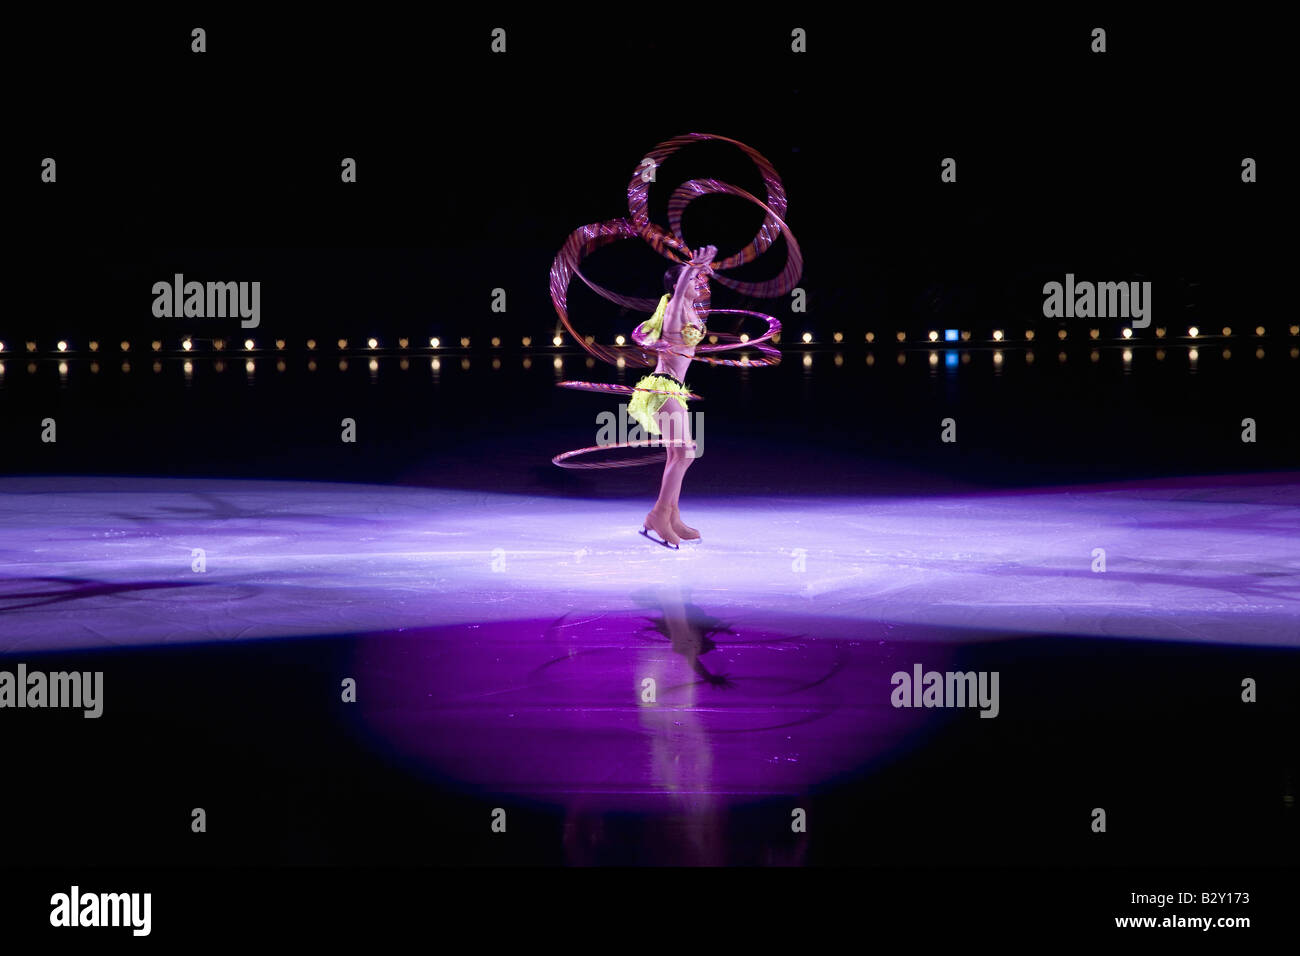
(671, 276)
(693, 290)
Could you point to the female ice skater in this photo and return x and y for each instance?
(659, 404)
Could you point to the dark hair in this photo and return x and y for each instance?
(671, 277)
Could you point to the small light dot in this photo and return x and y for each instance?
(619, 340)
(556, 341)
(435, 342)
(838, 336)
(933, 336)
(1227, 330)
(807, 337)
(279, 344)
(496, 342)
(62, 346)
(871, 336)
(527, 341)
(1061, 334)
(156, 345)
(311, 344)
(901, 337)
(1259, 330)
(1029, 335)
(1193, 331)
(373, 343)
(126, 346)
(464, 342)
(248, 345)
(186, 344)
(1127, 333)
(343, 343)
(403, 343)
(1094, 334)
(997, 335)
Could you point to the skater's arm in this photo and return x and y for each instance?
(679, 306)
(675, 314)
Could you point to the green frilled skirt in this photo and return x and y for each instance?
(651, 393)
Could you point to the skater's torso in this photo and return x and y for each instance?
(676, 362)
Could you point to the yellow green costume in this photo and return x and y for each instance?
(653, 390)
(649, 331)
(651, 393)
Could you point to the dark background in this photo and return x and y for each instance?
(473, 169)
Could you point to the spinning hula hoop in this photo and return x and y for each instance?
(671, 244)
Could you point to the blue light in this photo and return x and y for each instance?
(950, 359)
(950, 335)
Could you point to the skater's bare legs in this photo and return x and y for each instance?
(664, 518)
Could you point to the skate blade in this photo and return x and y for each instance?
(658, 540)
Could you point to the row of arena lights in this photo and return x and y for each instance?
(950, 359)
(948, 335)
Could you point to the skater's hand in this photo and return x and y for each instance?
(702, 259)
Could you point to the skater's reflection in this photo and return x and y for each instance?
(689, 630)
(682, 728)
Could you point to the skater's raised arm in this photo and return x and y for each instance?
(684, 292)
